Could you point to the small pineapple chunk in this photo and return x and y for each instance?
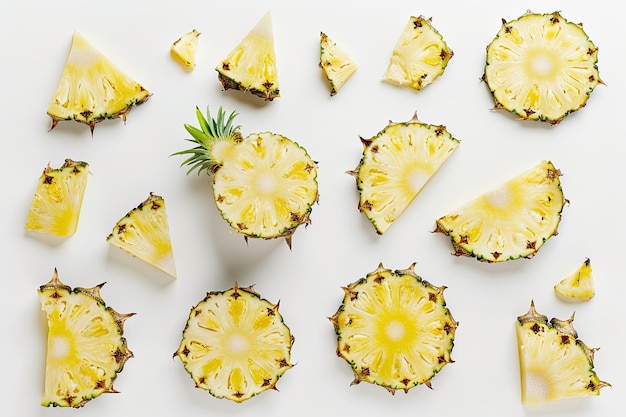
(58, 199)
(235, 344)
(577, 287)
(337, 65)
(419, 56)
(144, 233)
(185, 48)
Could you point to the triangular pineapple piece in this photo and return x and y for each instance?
(419, 56)
(577, 287)
(85, 349)
(511, 221)
(337, 64)
(58, 199)
(144, 232)
(92, 88)
(395, 166)
(251, 65)
(185, 48)
(554, 363)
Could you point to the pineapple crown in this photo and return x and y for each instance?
(212, 130)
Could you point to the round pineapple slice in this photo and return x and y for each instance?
(511, 221)
(396, 165)
(235, 344)
(394, 329)
(86, 350)
(577, 287)
(541, 67)
(554, 363)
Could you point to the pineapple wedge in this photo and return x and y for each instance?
(251, 65)
(144, 233)
(511, 221)
(92, 88)
(58, 199)
(185, 48)
(235, 344)
(577, 287)
(395, 166)
(419, 56)
(554, 363)
(541, 67)
(337, 65)
(394, 329)
(86, 350)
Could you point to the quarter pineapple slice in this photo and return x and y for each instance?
(419, 56)
(185, 48)
(337, 65)
(554, 363)
(577, 287)
(235, 344)
(92, 88)
(395, 166)
(85, 350)
(541, 67)
(394, 329)
(58, 199)
(511, 221)
(264, 184)
(251, 65)
(144, 233)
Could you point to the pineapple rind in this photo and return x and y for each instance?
(144, 233)
(577, 287)
(394, 329)
(337, 65)
(235, 344)
(419, 57)
(396, 165)
(541, 67)
(86, 348)
(511, 221)
(58, 199)
(92, 88)
(554, 363)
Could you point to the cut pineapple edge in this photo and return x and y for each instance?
(541, 67)
(419, 57)
(578, 286)
(554, 363)
(235, 344)
(396, 165)
(511, 221)
(394, 329)
(92, 88)
(58, 199)
(251, 65)
(144, 233)
(337, 65)
(185, 48)
(86, 350)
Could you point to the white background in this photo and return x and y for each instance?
(130, 161)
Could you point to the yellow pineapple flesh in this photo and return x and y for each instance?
(337, 65)
(577, 287)
(185, 48)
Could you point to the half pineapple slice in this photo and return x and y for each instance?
(511, 221)
(235, 344)
(541, 67)
(554, 363)
(86, 350)
(337, 64)
(58, 199)
(185, 48)
(251, 65)
(419, 56)
(144, 233)
(264, 185)
(394, 329)
(92, 88)
(577, 287)
(396, 164)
